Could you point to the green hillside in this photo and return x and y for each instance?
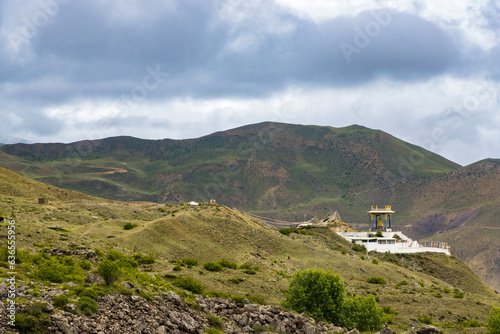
(429, 285)
(289, 172)
(268, 167)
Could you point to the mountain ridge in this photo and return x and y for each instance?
(288, 172)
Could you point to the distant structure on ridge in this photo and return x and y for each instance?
(381, 238)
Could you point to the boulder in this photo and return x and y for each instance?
(93, 279)
(174, 298)
(387, 330)
(429, 330)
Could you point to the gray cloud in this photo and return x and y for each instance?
(84, 51)
(94, 54)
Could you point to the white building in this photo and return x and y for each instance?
(382, 239)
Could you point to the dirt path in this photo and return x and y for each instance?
(112, 170)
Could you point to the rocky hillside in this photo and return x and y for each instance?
(290, 172)
(167, 248)
(166, 313)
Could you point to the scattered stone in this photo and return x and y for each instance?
(129, 285)
(387, 330)
(93, 279)
(168, 313)
(429, 330)
(174, 298)
(92, 256)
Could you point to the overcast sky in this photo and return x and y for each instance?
(425, 71)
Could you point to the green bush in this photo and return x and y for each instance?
(319, 292)
(249, 271)
(282, 274)
(389, 310)
(358, 248)
(85, 265)
(94, 292)
(458, 294)
(235, 280)
(87, 305)
(239, 300)
(256, 299)
(215, 322)
(290, 230)
(109, 271)
(189, 262)
(60, 301)
(362, 313)
(246, 265)
(98, 252)
(114, 255)
(189, 284)
(493, 321)
(425, 319)
(471, 324)
(58, 270)
(212, 266)
(34, 318)
(376, 280)
(145, 259)
(177, 267)
(129, 226)
(216, 294)
(127, 263)
(228, 264)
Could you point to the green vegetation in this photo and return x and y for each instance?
(227, 264)
(212, 266)
(376, 280)
(144, 259)
(129, 226)
(457, 293)
(189, 284)
(425, 319)
(290, 230)
(60, 301)
(322, 295)
(57, 270)
(358, 248)
(109, 271)
(215, 322)
(34, 318)
(493, 321)
(362, 313)
(189, 262)
(87, 305)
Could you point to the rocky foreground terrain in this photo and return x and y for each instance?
(168, 313)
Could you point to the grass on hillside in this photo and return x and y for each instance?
(266, 259)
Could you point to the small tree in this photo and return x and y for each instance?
(319, 292)
(109, 271)
(493, 322)
(362, 313)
